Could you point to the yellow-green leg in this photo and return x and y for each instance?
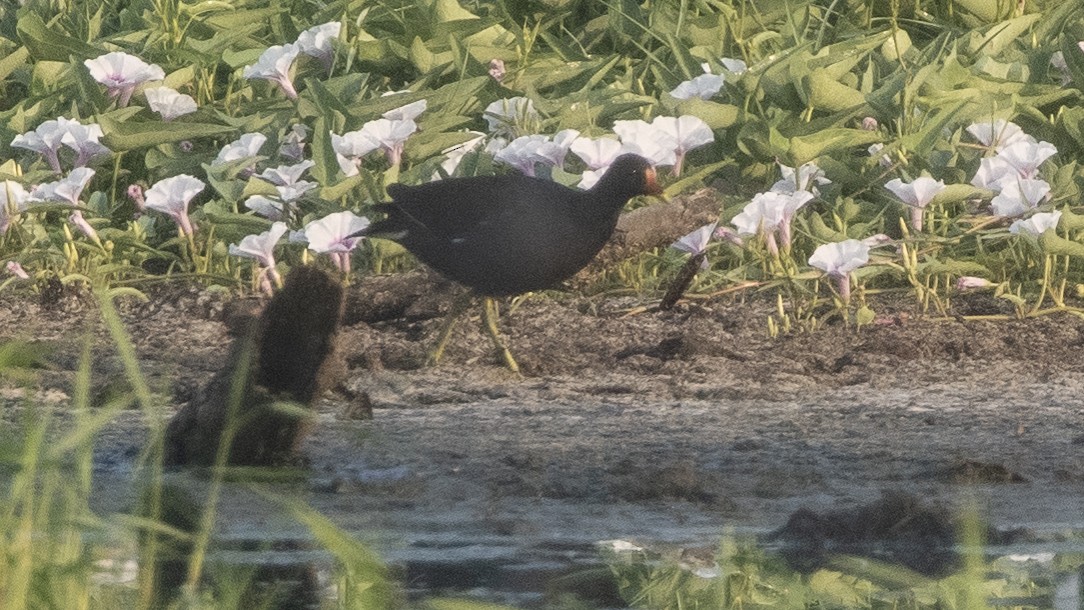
(489, 324)
(460, 305)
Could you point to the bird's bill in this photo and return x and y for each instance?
(651, 184)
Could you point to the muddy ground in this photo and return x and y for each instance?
(658, 425)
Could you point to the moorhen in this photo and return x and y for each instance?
(506, 235)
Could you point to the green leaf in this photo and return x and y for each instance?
(803, 149)
(132, 135)
(45, 44)
(1052, 243)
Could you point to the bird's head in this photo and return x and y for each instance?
(630, 175)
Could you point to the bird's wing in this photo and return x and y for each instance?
(456, 208)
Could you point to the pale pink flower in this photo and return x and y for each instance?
(169, 102)
(261, 248)
(274, 65)
(1036, 225)
(121, 73)
(597, 153)
(804, 178)
(526, 151)
(390, 136)
(317, 41)
(1027, 155)
(76, 218)
(408, 112)
(703, 86)
(917, 195)
(13, 201)
(697, 242)
(266, 207)
(171, 197)
(769, 213)
(135, 193)
(647, 140)
(14, 268)
(67, 190)
(285, 175)
(838, 260)
(998, 134)
(688, 132)
(48, 138)
(511, 116)
(968, 282)
(1019, 196)
(248, 145)
(351, 147)
(334, 235)
(455, 154)
(496, 69)
(992, 172)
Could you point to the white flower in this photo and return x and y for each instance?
(998, 134)
(266, 207)
(169, 103)
(647, 140)
(171, 197)
(14, 268)
(697, 242)
(293, 144)
(13, 201)
(522, 153)
(704, 86)
(839, 259)
(76, 218)
(316, 41)
(260, 247)
(597, 153)
(1019, 196)
(390, 135)
(48, 138)
(917, 194)
(734, 66)
(67, 190)
(590, 177)
(293, 192)
(1036, 225)
(689, 132)
(285, 175)
(802, 179)
(993, 171)
(456, 153)
(1026, 156)
(248, 145)
(334, 235)
(408, 112)
(121, 73)
(968, 282)
(274, 65)
(511, 115)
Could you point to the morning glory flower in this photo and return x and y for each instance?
(647, 140)
(13, 201)
(171, 197)
(917, 195)
(266, 207)
(409, 112)
(804, 178)
(169, 103)
(520, 153)
(293, 192)
(285, 175)
(248, 145)
(121, 73)
(332, 235)
(838, 260)
(704, 86)
(351, 147)
(390, 135)
(1017, 197)
(1036, 225)
(1027, 155)
(456, 153)
(510, 115)
(597, 153)
(874, 150)
(293, 144)
(689, 132)
(48, 138)
(262, 248)
(998, 134)
(696, 242)
(771, 212)
(968, 282)
(76, 218)
(274, 65)
(316, 41)
(14, 268)
(67, 190)
(496, 69)
(993, 171)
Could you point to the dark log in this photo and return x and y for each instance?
(283, 356)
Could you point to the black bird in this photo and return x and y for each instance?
(506, 235)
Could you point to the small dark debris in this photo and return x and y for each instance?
(971, 472)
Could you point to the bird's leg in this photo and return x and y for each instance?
(460, 305)
(489, 324)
